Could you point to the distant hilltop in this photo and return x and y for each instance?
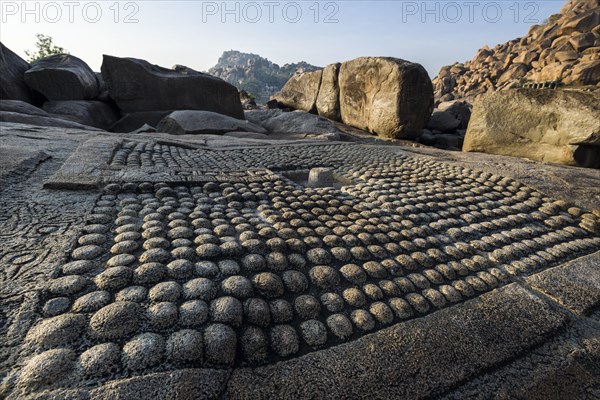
(255, 74)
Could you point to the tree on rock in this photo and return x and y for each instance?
(45, 48)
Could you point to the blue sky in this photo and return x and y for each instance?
(195, 33)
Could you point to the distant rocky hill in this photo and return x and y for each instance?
(255, 74)
(565, 49)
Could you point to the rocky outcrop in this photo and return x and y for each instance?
(194, 122)
(278, 121)
(301, 91)
(87, 112)
(557, 126)
(256, 74)
(136, 85)
(21, 107)
(442, 121)
(565, 49)
(54, 114)
(12, 68)
(62, 77)
(460, 110)
(447, 126)
(40, 120)
(133, 121)
(389, 97)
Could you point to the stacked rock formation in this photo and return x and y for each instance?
(62, 91)
(566, 49)
(387, 96)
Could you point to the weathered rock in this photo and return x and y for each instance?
(581, 23)
(582, 41)
(301, 91)
(62, 77)
(328, 100)
(526, 58)
(551, 72)
(390, 97)
(443, 121)
(196, 122)
(86, 112)
(515, 71)
(247, 135)
(12, 84)
(144, 129)
(459, 109)
(448, 141)
(40, 120)
(136, 85)
(278, 121)
(586, 73)
(21, 107)
(558, 126)
(133, 121)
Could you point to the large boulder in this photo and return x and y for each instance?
(136, 85)
(12, 68)
(195, 122)
(278, 121)
(62, 77)
(40, 120)
(18, 111)
(387, 96)
(459, 109)
(585, 73)
(21, 107)
(557, 126)
(514, 72)
(328, 99)
(443, 121)
(300, 92)
(87, 112)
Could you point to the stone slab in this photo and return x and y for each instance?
(17, 162)
(198, 384)
(83, 169)
(575, 285)
(514, 232)
(417, 359)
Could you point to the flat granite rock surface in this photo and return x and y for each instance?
(200, 267)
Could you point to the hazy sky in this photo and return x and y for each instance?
(195, 33)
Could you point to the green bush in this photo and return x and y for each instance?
(45, 48)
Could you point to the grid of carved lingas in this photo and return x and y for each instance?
(220, 274)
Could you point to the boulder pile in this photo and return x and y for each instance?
(130, 94)
(447, 126)
(565, 50)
